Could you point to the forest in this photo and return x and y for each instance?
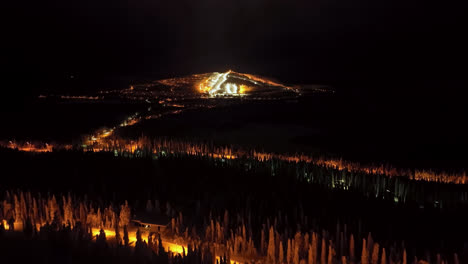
(220, 209)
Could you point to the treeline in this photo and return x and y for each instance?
(198, 190)
(239, 236)
(28, 221)
(426, 187)
(276, 242)
(145, 146)
(27, 211)
(64, 244)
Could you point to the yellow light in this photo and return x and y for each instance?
(173, 247)
(243, 88)
(232, 261)
(6, 225)
(109, 233)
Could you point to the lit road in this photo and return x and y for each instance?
(177, 248)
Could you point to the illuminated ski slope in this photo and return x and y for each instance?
(232, 83)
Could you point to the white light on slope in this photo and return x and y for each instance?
(235, 88)
(228, 88)
(217, 87)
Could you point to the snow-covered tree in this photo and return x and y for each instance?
(118, 238)
(351, 249)
(149, 206)
(383, 258)
(125, 214)
(296, 252)
(331, 253)
(281, 253)
(375, 254)
(365, 253)
(323, 253)
(271, 246)
(289, 252)
(125, 237)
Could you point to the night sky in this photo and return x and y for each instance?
(393, 45)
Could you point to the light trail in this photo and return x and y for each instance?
(257, 80)
(235, 88)
(228, 88)
(218, 84)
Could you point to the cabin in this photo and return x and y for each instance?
(151, 223)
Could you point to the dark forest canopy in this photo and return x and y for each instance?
(203, 189)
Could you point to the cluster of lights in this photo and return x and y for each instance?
(216, 85)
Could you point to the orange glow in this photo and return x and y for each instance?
(204, 86)
(263, 80)
(6, 225)
(230, 260)
(176, 248)
(109, 233)
(82, 97)
(243, 89)
(103, 142)
(29, 147)
(168, 246)
(217, 84)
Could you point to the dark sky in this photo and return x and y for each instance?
(109, 42)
